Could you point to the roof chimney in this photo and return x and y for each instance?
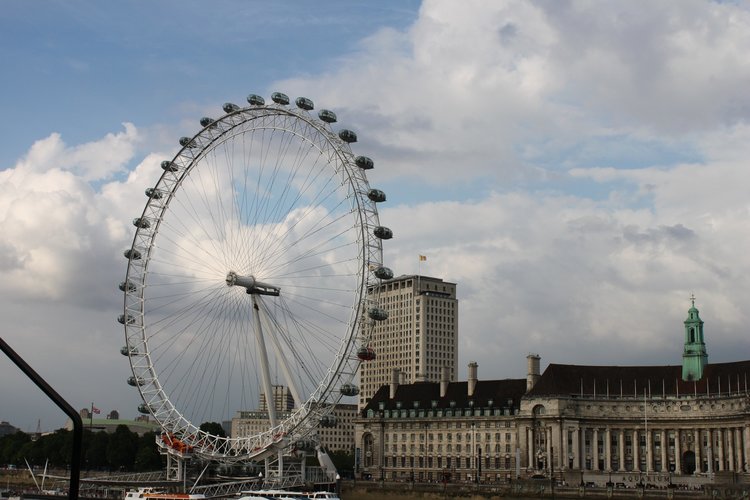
(472, 383)
(444, 379)
(394, 382)
(532, 372)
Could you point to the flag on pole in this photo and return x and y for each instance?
(422, 258)
(94, 409)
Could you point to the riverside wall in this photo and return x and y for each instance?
(377, 490)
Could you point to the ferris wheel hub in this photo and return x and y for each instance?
(253, 286)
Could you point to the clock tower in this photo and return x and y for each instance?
(694, 355)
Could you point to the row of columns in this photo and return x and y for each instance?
(726, 448)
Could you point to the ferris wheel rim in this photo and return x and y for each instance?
(369, 253)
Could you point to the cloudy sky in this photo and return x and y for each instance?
(578, 168)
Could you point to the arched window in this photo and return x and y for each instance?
(539, 410)
(692, 334)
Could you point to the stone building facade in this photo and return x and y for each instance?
(637, 420)
(629, 424)
(441, 431)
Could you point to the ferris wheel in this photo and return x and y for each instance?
(252, 279)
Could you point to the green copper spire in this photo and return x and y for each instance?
(694, 356)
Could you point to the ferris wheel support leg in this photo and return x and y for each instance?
(175, 468)
(270, 403)
(285, 367)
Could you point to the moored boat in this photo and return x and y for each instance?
(149, 493)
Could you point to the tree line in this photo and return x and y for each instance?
(122, 450)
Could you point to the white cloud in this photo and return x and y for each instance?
(91, 161)
(56, 224)
(473, 88)
(61, 262)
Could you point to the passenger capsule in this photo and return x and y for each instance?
(366, 353)
(230, 107)
(377, 313)
(141, 222)
(383, 233)
(187, 142)
(128, 286)
(347, 135)
(383, 273)
(304, 103)
(364, 162)
(135, 381)
(143, 408)
(132, 253)
(305, 444)
(256, 100)
(168, 166)
(327, 116)
(154, 193)
(122, 319)
(280, 98)
(349, 390)
(328, 421)
(127, 352)
(207, 122)
(376, 195)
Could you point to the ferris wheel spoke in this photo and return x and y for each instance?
(278, 239)
(308, 238)
(296, 331)
(318, 250)
(184, 243)
(210, 351)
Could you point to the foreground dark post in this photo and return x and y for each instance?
(75, 460)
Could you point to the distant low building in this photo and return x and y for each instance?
(140, 425)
